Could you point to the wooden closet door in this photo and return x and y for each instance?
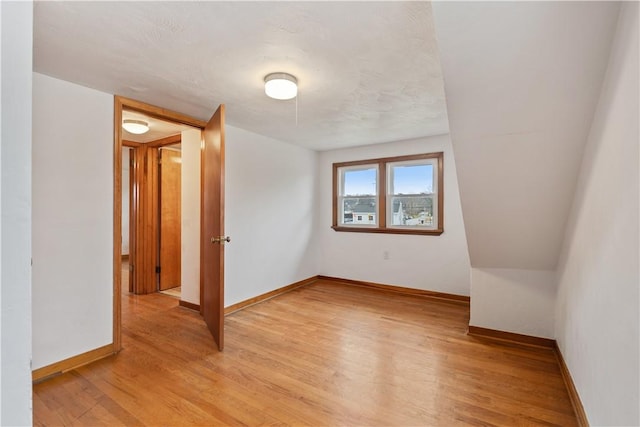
(170, 218)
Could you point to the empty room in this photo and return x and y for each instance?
(319, 213)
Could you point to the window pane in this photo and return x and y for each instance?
(412, 179)
(360, 182)
(412, 211)
(359, 210)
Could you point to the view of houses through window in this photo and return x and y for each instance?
(359, 195)
(409, 195)
(406, 210)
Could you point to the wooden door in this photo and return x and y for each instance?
(145, 252)
(212, 230)
(170, 218)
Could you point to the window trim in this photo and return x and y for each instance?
(382, 195)
(338, 202)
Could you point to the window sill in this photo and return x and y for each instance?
(436, 232)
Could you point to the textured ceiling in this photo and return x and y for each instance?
(368, 71)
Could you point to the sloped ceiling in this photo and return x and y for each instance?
(522, 80)
(368, 72)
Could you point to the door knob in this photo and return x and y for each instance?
(221, 239)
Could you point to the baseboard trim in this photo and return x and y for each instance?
(255, 300)
(581, 415)
(578, 409)
(461, 299)
(189, 305)
(55, 369)
(511, 337)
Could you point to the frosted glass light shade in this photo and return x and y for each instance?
(137, 127)
(281, 86)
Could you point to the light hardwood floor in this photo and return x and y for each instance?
(323, 355)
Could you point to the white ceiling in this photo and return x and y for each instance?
(368, 71)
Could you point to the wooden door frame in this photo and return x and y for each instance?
(133, 197)
(121, 103)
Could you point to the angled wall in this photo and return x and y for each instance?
(522, 81)
(597, 312)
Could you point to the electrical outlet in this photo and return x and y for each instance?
(385, 255)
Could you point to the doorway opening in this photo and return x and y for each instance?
(168, 188)
(152, 202)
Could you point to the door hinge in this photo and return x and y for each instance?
(157, 269)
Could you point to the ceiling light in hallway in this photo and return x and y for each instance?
(135, 126)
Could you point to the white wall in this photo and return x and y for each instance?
(437, 263)
(72, 219)
(15, 208)
(125, 200)
(190, 212)
(512, 300)
(597, 323)
(519, 111)
(521, 81)
(270, 210)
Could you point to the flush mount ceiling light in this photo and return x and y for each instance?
(281, 86)
(135, 126)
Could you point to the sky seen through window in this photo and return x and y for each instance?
(410, 179)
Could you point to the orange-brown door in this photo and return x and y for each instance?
(170, 218)
(144, 256)
(212, 218)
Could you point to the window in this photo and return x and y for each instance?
(401, 195)
(358, 194)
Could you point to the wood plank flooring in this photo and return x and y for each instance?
(326, 354)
